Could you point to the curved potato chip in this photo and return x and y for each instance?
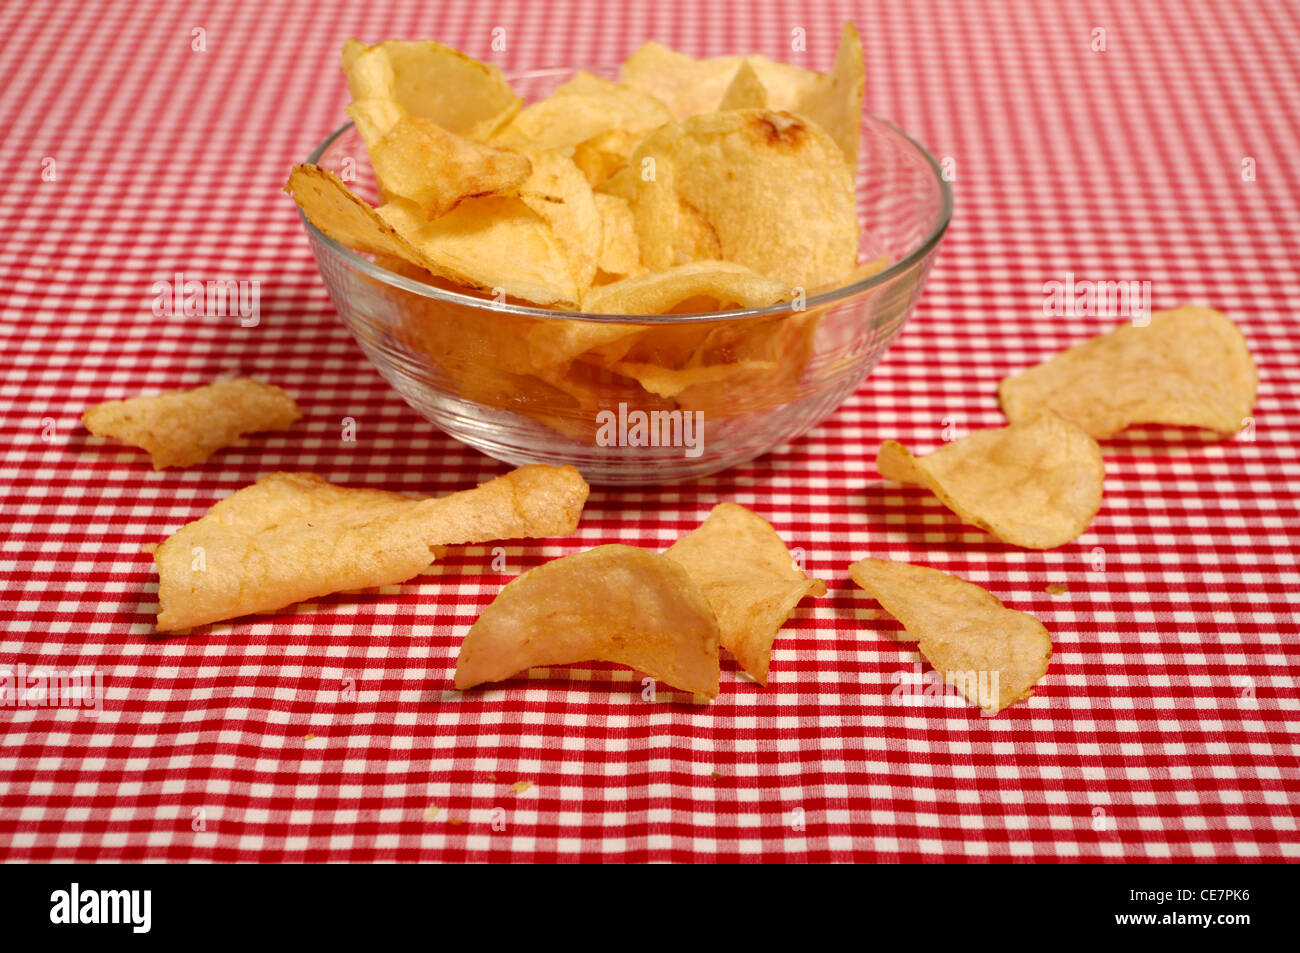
(620, 255)
(560, 194)
(292, 536)
(835, 101)
(689, 87)
(418, 160)
(749, 578)
(432, 81)
(496, 243)
(1190, 367)
(1036, 483)
(745, 91)
(616, 603)
(659, 292)
(773, 187)
(605, 154)
(584, 107)
(180, 428)
(344, 216)
(993, 654)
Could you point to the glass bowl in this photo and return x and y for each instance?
(503, 377)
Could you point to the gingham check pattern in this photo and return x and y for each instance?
(1166, 727)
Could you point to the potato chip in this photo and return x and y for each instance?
(582, 108)
(724, 284)
(614, 603)
(346, 217)
(1190, 367)
(605, 154)
(749, 578)
(745, 91)
(293, 536)
(689, 87)
(620, 255)
(181, 428)
(1036, 483)
(418, 160)
(560, 194)
(772, 187)
(835, 101)
(993, 655)
(496, 243)
(433, 82)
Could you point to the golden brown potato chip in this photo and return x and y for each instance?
(745, 91)
(1036, 483)
(292, 536)
(344, 216)
(496, 243)
(1190, 367)
(771, 186)
(180, 428)
(993, 654)
(417, 159)
(835, 101)
(749, 578)
(560, 195)
(582, 108)
(724, 284)
(615, 603)
(432, 81)
(620, 254)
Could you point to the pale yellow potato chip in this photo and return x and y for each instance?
(433, 82)
(620, 253)
(181, 428)
(1036, 483)
(835, 101)
(746, 91)
(689, 87)
(615, 603)
(771, 186)
(584, 107)
(1190, 367)
(496, 243)
(749, 578)
(418, 160)
(993, 654)
(560, 195)
(605, 154)
(293, 536)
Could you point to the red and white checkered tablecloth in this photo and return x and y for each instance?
(1166, 728)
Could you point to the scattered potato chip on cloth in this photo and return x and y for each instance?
(1036, 483)
(773, 188)
(181, 428)
(748, 576)
(615, 603)
(993, 655)
(416, 159)
(1190, 367)
(432, 81)
(293, 536)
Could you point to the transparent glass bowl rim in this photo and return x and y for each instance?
(823, 299)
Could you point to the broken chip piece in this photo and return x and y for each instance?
(993, 655)
(1036, 483)
(181, 428)
(293, 536)
(1190, 367)
(749, 577)
(614, 603)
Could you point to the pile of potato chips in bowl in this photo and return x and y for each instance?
(651, 271)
